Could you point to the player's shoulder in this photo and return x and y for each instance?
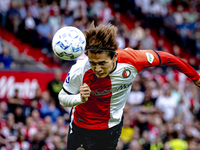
(80, 66)
(125, 54)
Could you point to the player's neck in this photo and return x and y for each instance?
(114, 66)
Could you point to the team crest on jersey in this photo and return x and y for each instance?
(80, 148)
(126, 73)
(150, 57)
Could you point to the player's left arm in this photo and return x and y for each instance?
(142, 59)
(180, 65)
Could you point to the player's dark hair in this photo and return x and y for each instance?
(101, 38)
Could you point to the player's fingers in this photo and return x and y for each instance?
(84, 88)
(197, 83)
(85, 84)
(85, 95)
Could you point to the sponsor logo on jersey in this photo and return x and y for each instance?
(150, 57)
(105, 92)
(80, 119)
(67, 78)
(126, 73)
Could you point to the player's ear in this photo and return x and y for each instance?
(115, 56)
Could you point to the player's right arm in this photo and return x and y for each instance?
(69, 100)
(74, 92)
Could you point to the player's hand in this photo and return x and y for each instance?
(85, 92)
(197, 83)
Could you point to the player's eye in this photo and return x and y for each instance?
(93, 64)
(103, 63)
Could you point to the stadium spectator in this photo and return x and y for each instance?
(14, 101)
(19, 114)
(12, 143)
(121, 40)
(68, 17)
(5, 6)
(97, 8)
(144, 140)
(13, 16)
(55, 17)
(29, 130)
(35, 114)
(167, 104)
(60, 128)
(135, 145)
(137, 34)
(10, 129)
(55, 85)
(4, 109)
(44, 31)
(29, 29)
(127, 131)
(50, 110)
(191, 16)
(43, 8)
(6, 61)
(176, 143)
(147, 42)
(136, 96)
(23, 143)
(178, 15)
(45, 99)
(106, 13)
(197, 38)
(38, 141)
(158, 145)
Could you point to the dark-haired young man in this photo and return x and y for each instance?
(98, 86)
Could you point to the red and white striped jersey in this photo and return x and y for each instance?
(104, 107)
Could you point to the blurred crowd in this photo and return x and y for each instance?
(175, 20)
(34, 124)
(163, 109)
(161, 113)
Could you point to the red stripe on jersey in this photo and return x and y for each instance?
(95, 113)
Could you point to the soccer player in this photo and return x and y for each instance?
(98, 86)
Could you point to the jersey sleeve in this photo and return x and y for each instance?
(73, 80)
(140, 59)
(178, 64)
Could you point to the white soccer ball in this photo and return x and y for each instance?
(68, 43)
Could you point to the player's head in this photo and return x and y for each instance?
(101, 38)
(100, 48)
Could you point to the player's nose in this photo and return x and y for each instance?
(98, 68)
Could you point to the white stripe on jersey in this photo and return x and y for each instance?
(119, 97)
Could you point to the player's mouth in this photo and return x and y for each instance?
(100, 75)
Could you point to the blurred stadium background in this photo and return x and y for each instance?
(163, 109)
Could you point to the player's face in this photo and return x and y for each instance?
(101, 63)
